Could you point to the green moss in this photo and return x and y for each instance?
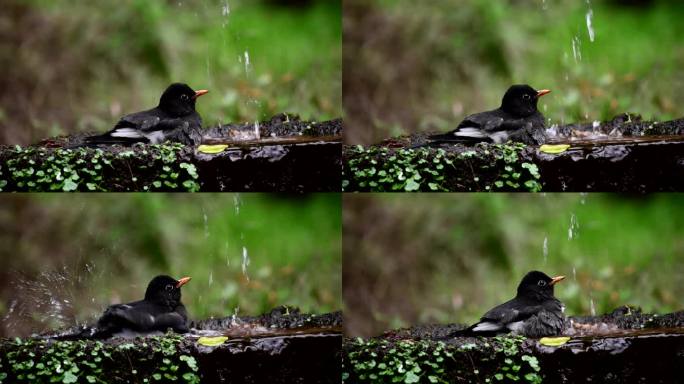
(36, 169)
(156, 359)
(488, 167)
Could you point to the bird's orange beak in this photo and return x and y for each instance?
(542, 92)
(200, 93)
(183, 281)
(556, 279)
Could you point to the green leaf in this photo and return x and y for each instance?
(411, 377)
(69, 377)
(211, 149)
(211, 341)
(69, 185)
(553, 341)
(411, 185)
(554, 149)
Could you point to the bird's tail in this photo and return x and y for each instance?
(75, 333)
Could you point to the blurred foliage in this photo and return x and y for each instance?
(449, 258)
(78, 67)
(64, 258)
(423, 66)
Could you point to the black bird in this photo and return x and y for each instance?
(517, 119)
(533, 312)
(160, 310)
(174, 119)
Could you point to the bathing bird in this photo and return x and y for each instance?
(174, 119)
(517, 119)
(159, 311)
(533, 312)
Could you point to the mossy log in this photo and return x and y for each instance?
(291, 156)
(289, 348)
(625, 154)
(626, 346)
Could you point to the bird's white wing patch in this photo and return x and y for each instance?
(487, 326)
(470, 132)
(516, 326)
(131, 133)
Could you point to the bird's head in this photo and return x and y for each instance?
(521, 100)
(179, 99)
(165, 289)
(537, 285)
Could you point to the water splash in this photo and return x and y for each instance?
(211, 278)
(545, 249)
(47, 300)
(233, 318)
(245, 262)
(256, 130)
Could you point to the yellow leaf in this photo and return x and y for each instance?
(553, 149)
(211, 341)
(212, 148)
(553, 341)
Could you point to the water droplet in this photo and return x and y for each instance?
(546, 249)
(211, 278)
(592, 307)
(574, 273)
(256, 130)
(576, 52)
(574, 226)
(247, 65)
(583, 197)
(245, 262)
(590, 28)
(237, 202)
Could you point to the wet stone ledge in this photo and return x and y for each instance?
(284, 346)
(625, 154)
(290, 156)
(626, 346)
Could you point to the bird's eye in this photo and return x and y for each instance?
(184, 97)
(169, 287)
(526, 97)
(541, 283)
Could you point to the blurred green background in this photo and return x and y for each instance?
(412, 66)
(78, 66)
(449, 258)
(65, 258)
